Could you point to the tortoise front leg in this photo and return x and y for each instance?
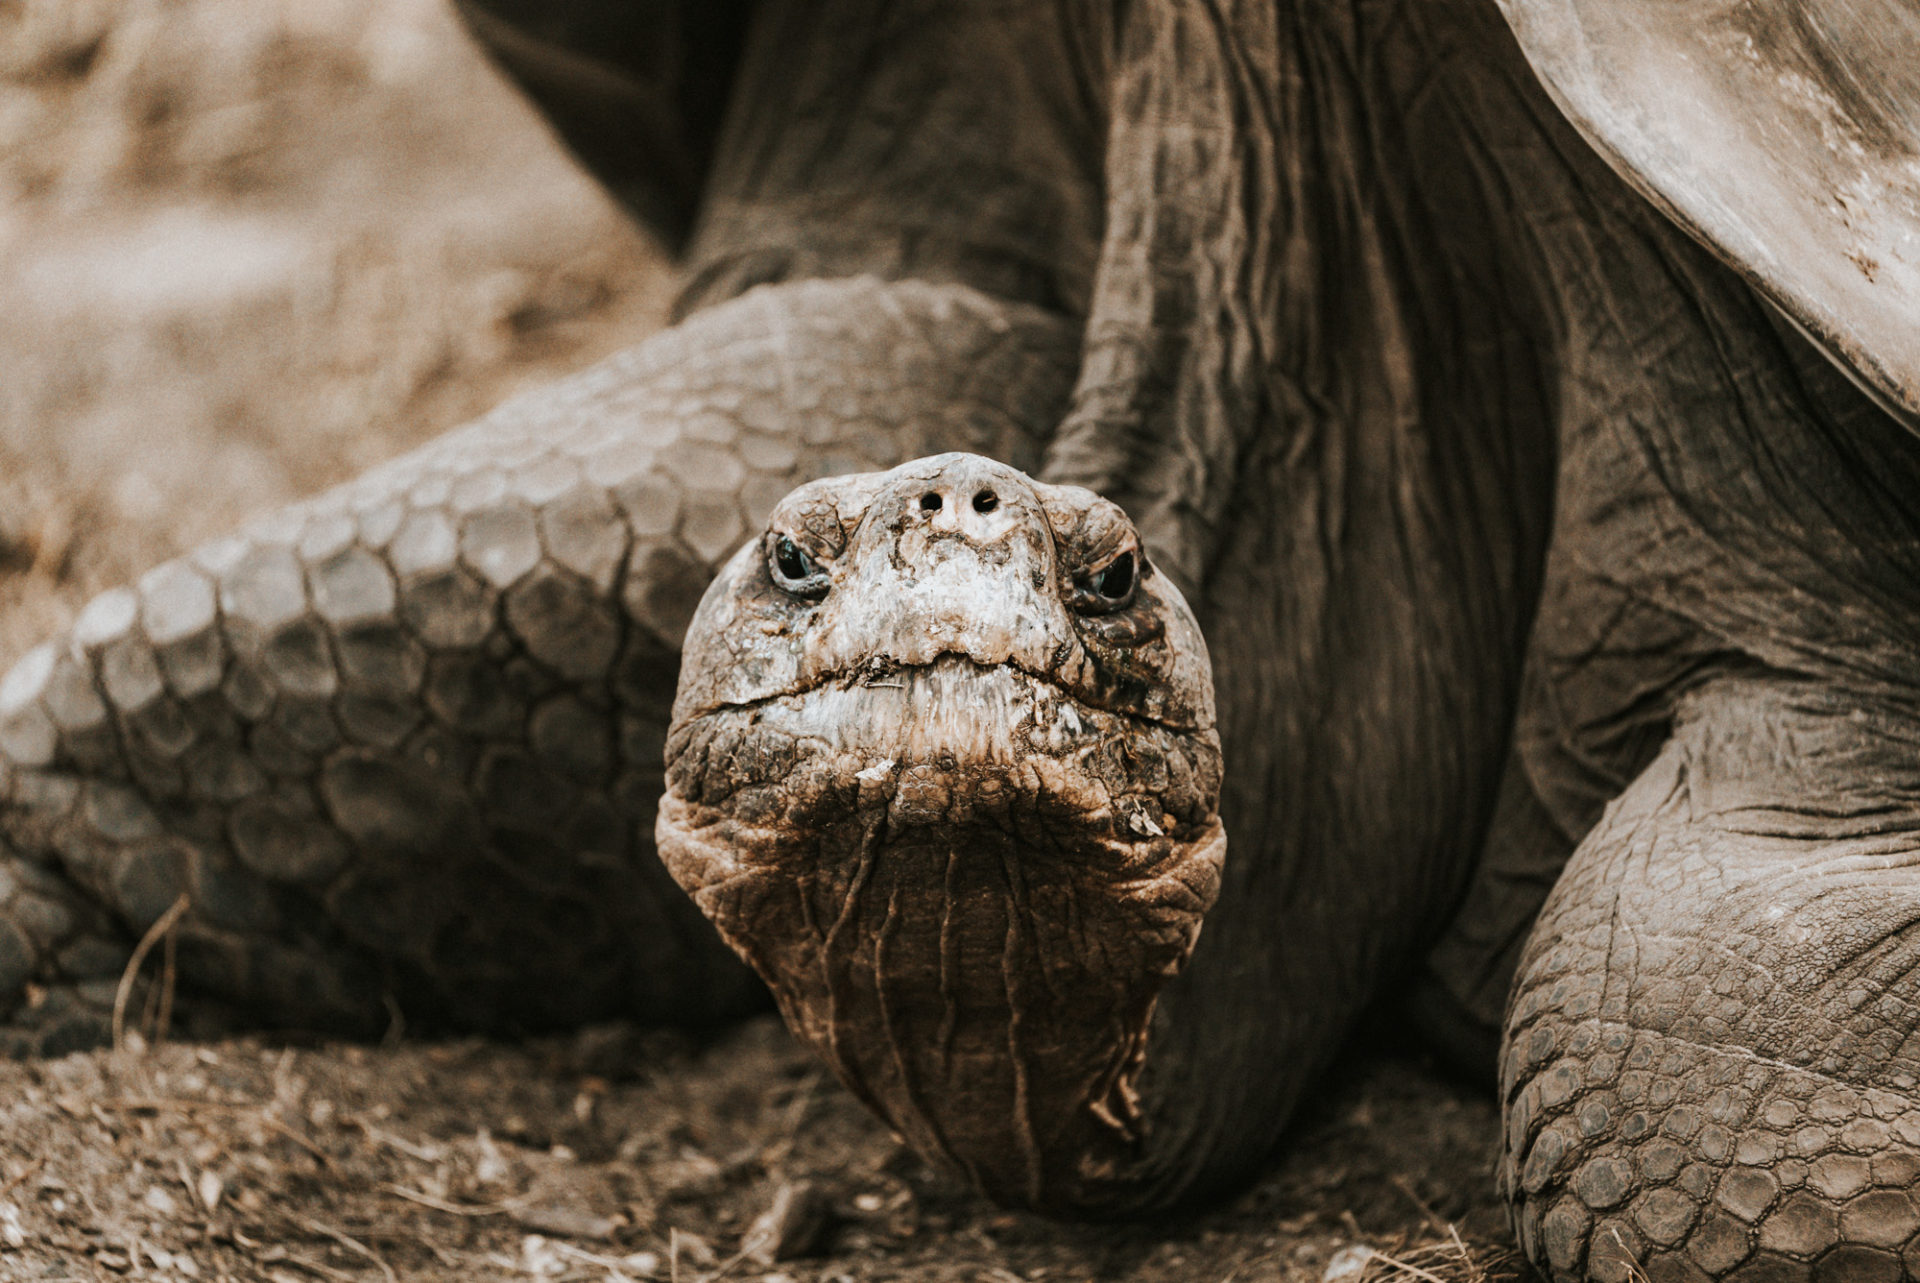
(1711, 1060)
(402, 743)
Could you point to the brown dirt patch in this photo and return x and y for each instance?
(627, 1154)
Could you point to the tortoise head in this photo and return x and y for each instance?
(943, 768)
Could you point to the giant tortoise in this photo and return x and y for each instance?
(1523, 397)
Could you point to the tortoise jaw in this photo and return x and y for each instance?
(972, 933)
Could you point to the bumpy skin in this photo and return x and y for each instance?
(953, 793)
(401, 744)
(1711, 1066)
(1501, 501)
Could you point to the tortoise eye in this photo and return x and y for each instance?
(1114, 581)
(1109, 588)
(795, 571)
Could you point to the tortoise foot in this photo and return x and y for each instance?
(1710, 1069)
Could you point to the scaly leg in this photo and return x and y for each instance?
(1711, 1057)
(401, 744)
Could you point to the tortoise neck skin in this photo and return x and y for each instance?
(1325, 406)
(943, 769)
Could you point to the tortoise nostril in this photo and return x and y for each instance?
(929, 502)
(986, 501)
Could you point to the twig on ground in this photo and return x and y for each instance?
(352, 1244)
(1404, 1267)
(1432, 1217)
(169, 974)
(444, 1205)
(162, 925)
(381, 1136)
(314, 1267)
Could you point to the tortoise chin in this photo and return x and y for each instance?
(965, 875)
(965, 889)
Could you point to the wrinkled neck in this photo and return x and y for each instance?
(953, 142)
(1318, 377)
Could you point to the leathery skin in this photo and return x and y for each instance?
(1710, 1064)
(401, 744)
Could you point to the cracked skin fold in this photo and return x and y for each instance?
(1520, 400)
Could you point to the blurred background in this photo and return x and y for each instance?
(247, 248)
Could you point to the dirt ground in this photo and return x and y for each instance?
(248, 247)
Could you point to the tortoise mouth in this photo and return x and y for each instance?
(965, 888)
(944, 679)
(954, 742)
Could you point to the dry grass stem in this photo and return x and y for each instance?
(162, 926)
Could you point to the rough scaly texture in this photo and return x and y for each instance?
(401, 744)
(953, 792)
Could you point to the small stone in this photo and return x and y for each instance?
(1348, 1265)
(565, 1221)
